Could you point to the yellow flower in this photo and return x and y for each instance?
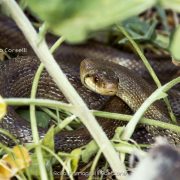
(12, 163)
(3, 108)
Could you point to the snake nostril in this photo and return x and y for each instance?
(96, 79)
(87, 75)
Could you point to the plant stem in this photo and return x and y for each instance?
(128, 148)
(64, 85)
(94, 164)
(67, 107)
(127, 118)
(33, 113)
(59, 160)
(35, 134)
(64, 123)
(158, 94)
(57, 44)
(39, 102)
(149, 68)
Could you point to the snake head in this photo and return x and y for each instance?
(97, 78)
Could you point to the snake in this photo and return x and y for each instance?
(119, 88)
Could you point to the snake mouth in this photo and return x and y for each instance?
(100, 87)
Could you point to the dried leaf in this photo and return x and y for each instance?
(12, 163)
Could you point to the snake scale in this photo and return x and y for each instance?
(16, 77)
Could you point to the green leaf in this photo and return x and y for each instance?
(118, 133)
(33, 169)
(76, 19)
(173, 4)
(137, 25)
(42, 117)
(174, 45)
(139, 30)
(162, 14)
(48, 139)
(76, 153)
(90, 150)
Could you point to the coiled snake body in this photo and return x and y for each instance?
(16, 77)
